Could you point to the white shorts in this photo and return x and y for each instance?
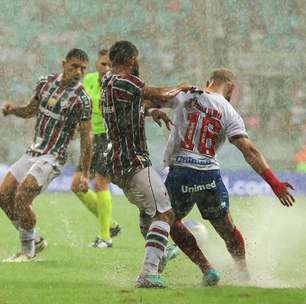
(147, 191)
(44, 168)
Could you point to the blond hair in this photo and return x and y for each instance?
(222, 76)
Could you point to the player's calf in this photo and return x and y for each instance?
(156, 242)
(188, 244)
(235, 244)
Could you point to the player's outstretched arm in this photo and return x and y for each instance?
(85, 147)
(256, 160)
(162, 95)
(25, 111)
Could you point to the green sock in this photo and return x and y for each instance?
(104, 208)
(90, 200)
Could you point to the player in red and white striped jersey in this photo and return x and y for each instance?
(59, 104)
(129, 163)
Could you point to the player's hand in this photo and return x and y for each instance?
(84, 184)
(185, 86)
(282, 192)
(182, 87)
(159, 116)
(7, 109)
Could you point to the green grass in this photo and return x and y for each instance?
(70, 272)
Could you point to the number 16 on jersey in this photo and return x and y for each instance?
(208, 129)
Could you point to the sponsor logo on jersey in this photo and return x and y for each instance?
(197, 188)
(191, 160)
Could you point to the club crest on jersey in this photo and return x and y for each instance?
(51, 103)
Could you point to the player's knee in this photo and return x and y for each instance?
(167, 216)
(74, 188)
(26, 192)
(171, 217)
(101, 182)
(75, 182)
(145, 221)
(20, 197)
(7, 194)
(101, 187)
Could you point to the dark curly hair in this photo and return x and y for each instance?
(121, 52)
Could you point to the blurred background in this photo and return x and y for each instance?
(262, 41)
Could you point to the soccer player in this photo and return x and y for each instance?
(129, 163)
(59, 103)
(202, 122)
(100, 201)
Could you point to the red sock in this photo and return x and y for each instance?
(235, 245)
(184, 239)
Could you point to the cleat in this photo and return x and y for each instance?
(114, 231)
(211, 277)
(100, 243)
(150, 281)
(20, 258)
(172, 252)
(40, 245)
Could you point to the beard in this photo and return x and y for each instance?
(135, 71)
(228, 97)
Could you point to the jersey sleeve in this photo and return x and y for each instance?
(38, 88)
(234, 125)
(86, 107)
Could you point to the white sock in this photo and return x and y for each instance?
(156, 242)
(27, 238)
(37, 236)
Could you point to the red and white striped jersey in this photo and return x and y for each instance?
(123, 110)
(60, 110)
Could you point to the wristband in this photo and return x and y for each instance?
(276, 185)
(269, 177)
